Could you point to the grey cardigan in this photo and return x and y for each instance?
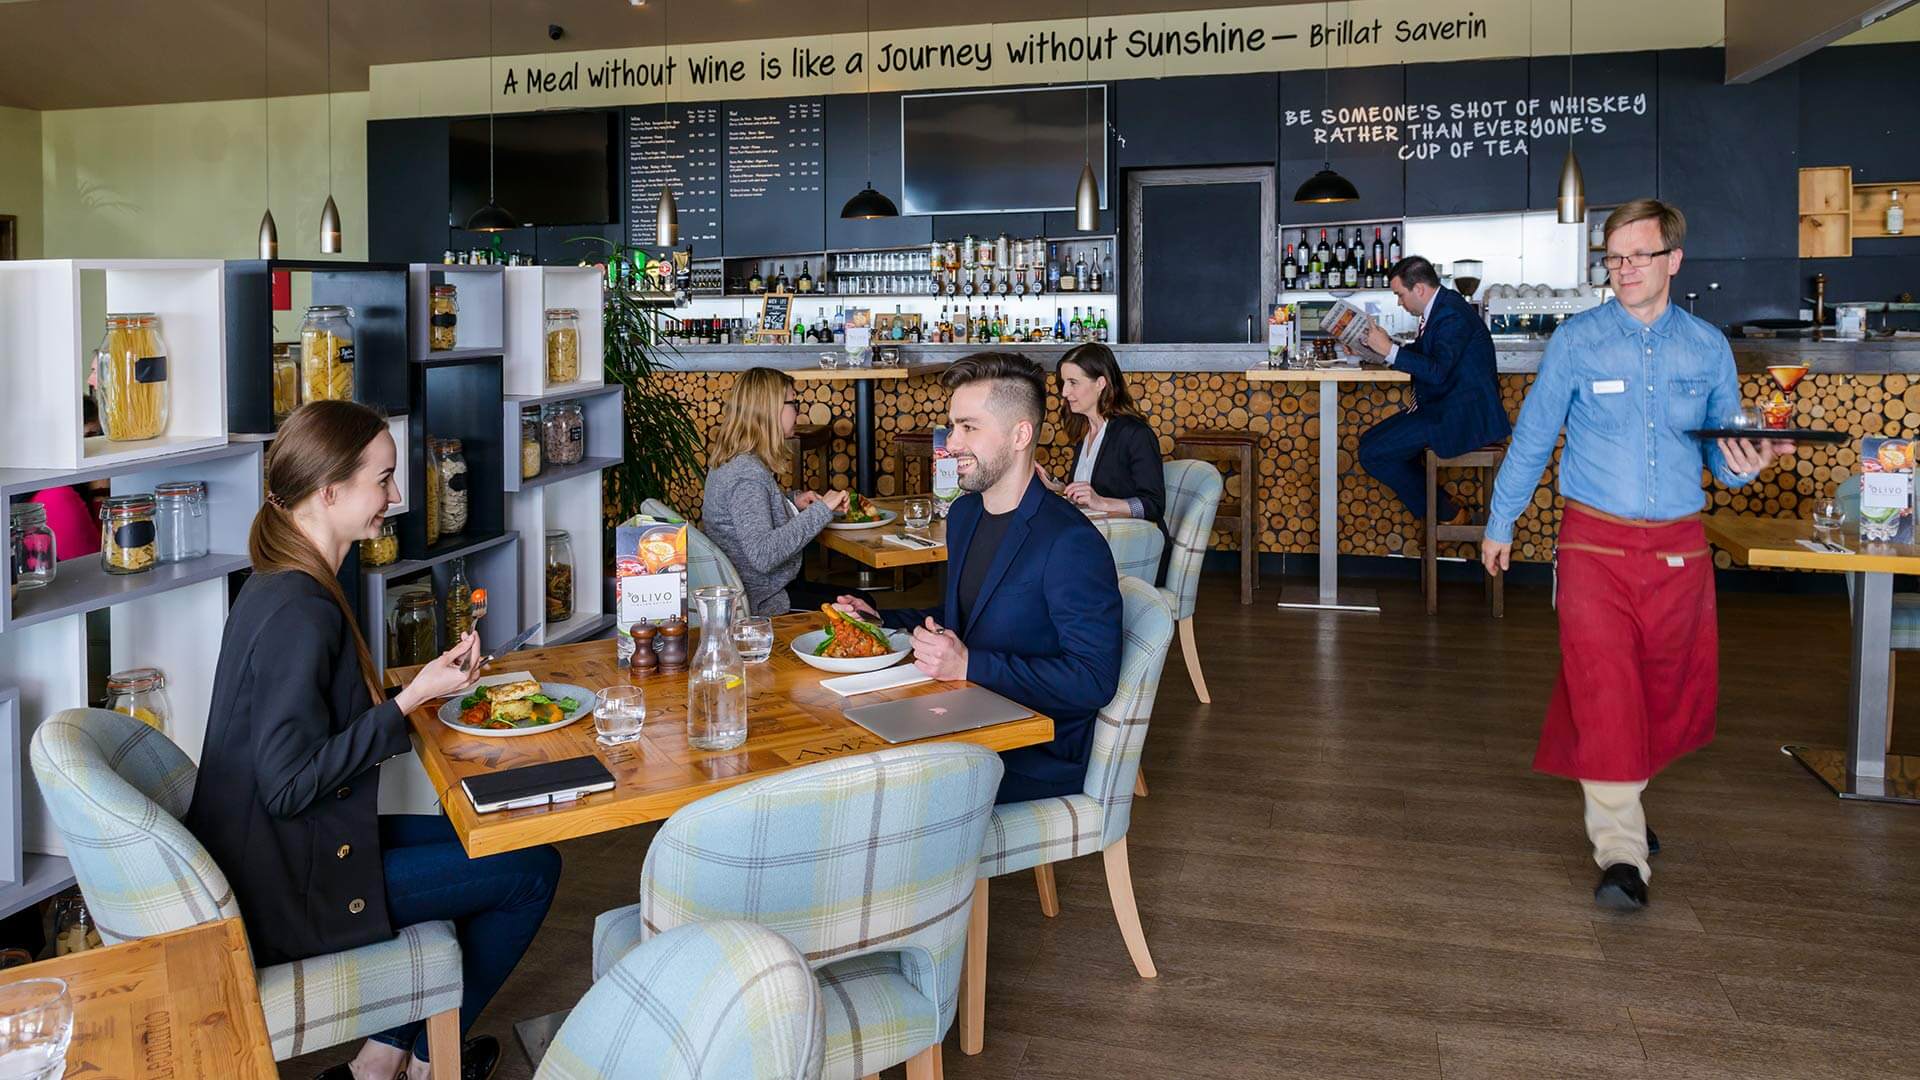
(747, 516)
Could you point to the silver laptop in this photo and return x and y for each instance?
(932, 715)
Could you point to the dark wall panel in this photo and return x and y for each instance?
(1749, 288)
(1856, 108)
(1200, 262)
(1374, 167)
(1620, 163)
(1727, 157)
(847, 172)
(407, 190)
(1198, 120)
(1492, 173)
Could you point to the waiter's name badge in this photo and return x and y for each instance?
(1610, 386)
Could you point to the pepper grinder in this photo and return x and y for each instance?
(645, 661)
(673, 645)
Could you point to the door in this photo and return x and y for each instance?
(1200, 254)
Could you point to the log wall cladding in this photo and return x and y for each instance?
(1286, 419)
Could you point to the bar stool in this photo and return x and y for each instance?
(1235, 515)
(911, 448)
(1487, 459)
(808, 438)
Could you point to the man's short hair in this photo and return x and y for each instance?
(1019, 385)
(1673, 224)
(1414, 270)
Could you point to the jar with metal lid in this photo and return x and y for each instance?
(563, 345)
(529, 444)
(180, 521)
(33, 557)
(450, 476)
(413, 626)
(286, 381)
(430, 513)
(326, 354)
(127, 534)
(130, 378)
(564, 432)
(382, 549)
(443, 317)
(142, 694)
(559, 576)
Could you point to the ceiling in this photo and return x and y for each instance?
(73, 54)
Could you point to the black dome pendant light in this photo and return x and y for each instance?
(491, 218)
(869, 203)
(1326, 186)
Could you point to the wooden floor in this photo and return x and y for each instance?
(1346, 869)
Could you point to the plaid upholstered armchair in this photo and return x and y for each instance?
(1136, 545)
(116, 788)
(866, 864)
(706, 564)
(1193, 495)
(705, 1001)
(1040, 833)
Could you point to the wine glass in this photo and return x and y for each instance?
(1777, 408)
(36, 1023)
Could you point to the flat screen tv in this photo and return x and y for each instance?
(1000, 149)
(549, 168)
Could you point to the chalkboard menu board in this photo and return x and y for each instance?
(775, 178)
(685, 148)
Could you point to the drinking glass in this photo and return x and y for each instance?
(917, 514)
(1829, 514)
(36, 1023)
(753, 637)
(618, 713)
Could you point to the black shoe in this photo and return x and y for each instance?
(1653, 842)
(1621, 888)
(480, 1055)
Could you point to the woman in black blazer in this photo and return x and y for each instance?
(1116, 464)
(288, 790)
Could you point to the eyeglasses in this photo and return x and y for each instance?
(791, 403)
(1638, 258)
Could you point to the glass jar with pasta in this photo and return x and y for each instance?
(326, 354)
(381, 549)
(142, 694)
(443, 317)
(559, 576)
(529, 444)
(450, 476)
(564, 427)
(563, 345)
(413, 624)
(286, 381)
(130, 378)
(127, 534)
(431, 490)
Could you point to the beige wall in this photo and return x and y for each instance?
(20, 175)
(189, 180)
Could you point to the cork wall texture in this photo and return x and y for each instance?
(1285, 419)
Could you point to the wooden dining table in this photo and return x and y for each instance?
(173, 1005)
(791, 721)
(871, 547)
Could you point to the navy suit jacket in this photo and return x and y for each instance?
(1044, 631)
(1454, 378)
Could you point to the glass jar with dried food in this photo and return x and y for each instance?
(563, 345)
(413, 628)
(127, 534)
(431, 512)
(443, 317)
(559, 576)
(142, 694)
(326, 354)
(450, 475)
(130, 378)
(382, 549)
(529, 444)
(459, 601)
(180, 521)
(564, 433)
(33, 557)
(286, 381)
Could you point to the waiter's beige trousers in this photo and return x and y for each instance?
(1616, 824)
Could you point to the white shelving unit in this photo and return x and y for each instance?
(481, 299)
(603, 408)
(45, 351)
(530, 292)
(575, 506)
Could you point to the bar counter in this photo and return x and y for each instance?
(1864, 387)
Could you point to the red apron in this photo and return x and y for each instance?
(1639, 648)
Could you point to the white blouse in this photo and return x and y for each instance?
(1089, 454)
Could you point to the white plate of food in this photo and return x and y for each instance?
(846, 645)
(505, 706)
(860, 514)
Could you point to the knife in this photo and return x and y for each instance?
(521, 639)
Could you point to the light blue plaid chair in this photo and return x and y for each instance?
(706, 563)
(1905, 631)
(1193, 495)
(705, 1001)
(1136, 544)
(866, 864)
(1040, 833)
(116, 787)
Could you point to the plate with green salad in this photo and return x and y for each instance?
(505, 706)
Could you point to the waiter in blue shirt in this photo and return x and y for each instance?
(1456, 391)
(1639, 646)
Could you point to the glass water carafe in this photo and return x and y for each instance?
(716, 676)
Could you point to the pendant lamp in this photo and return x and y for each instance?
(1327, 186)
(869, 203)
(1086, 194)
(269, 232)
(490, 218)
(666, 214)
(330, 214)
(1573, 186)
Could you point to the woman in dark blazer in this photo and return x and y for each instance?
(1116, 465)
(288, 791)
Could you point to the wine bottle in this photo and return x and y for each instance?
(755, 283)
(1289, 273)
(1350, 273)
(1379, 252)
(1053, 267)
(1059, 326)
(1896, 214)
(805, 283)
(1393, 247)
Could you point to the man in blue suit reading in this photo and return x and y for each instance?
(1456, 393)
(1032, 609)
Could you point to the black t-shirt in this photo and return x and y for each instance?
(980, 553)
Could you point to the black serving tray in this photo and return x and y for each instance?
(1806, 435)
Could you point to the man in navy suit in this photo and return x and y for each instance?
(1033, 608)
(1456, 394)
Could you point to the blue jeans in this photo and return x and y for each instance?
(1393, 452)
(496, 905)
